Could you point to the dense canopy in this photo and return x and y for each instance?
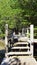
(18, 13)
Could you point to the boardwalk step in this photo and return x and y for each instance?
(18, 53)
(21, 43)
(20, 48)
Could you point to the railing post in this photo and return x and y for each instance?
(31, 38)
(27, 33)
(31, 33)
(23, 32)
(6, 40)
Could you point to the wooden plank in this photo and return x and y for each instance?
(18, 43)
(35, 41)
(17, 53)
(20, 47)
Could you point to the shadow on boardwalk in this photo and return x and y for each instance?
(2, 55)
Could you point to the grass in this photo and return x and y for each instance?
(2, 45)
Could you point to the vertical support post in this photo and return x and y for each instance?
(23, 31)
(31, 38)
(6, 40)
(27, 37)
(31, 33)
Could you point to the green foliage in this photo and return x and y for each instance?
(35, 29)
(18, 13)
(2, 36)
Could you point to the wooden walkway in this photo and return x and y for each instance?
(35, 40)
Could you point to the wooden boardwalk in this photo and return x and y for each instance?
(35, 40)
